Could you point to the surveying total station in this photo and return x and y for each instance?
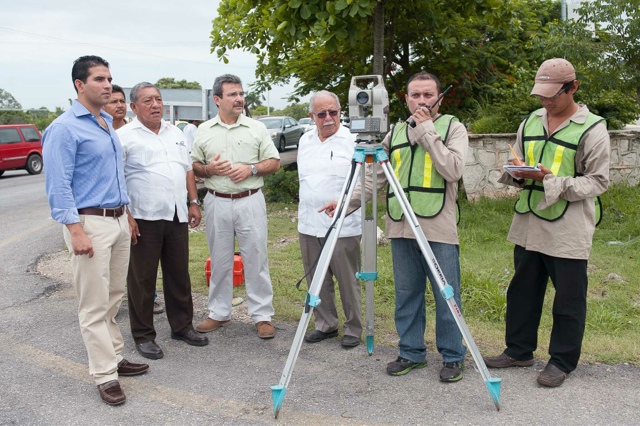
(369, 112)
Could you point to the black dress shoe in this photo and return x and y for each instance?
(350, 341)
(126, 368)
(192, 337)
(150, 350)
(318, 336)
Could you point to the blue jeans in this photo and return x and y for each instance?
(410, 272)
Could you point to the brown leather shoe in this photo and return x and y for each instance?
(503, 361)
(126, 368)
(266, 330)
(209, 325)
(551, 376)
(111, 393)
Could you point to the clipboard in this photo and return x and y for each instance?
(521, 168)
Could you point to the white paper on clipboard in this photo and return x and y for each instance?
(522, 168)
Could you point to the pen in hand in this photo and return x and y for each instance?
(516, 160)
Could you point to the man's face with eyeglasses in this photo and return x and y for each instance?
(231, 104)
(558, 104)
(326, 114)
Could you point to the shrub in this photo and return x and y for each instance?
(616, 107)
(282, 186)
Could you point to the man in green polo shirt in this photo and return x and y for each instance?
(232, 153)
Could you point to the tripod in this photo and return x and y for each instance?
(375, 155)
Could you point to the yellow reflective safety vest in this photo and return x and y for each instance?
(557, 153)
(421, 182)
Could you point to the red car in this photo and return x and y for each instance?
(20, 148)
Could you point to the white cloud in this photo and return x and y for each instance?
(142, 41)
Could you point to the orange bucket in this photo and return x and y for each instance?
(238, 270)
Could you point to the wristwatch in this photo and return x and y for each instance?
(254, 170)
(196, 202)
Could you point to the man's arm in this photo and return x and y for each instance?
(194, 209)
(215, 167)
(59, 154)
(243, 171)
(268, 166)
(592, 161)
(80, 243)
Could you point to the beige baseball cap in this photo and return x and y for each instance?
(551, 75)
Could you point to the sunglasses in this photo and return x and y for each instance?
(322, 115)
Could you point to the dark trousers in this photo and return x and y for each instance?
(525, 297)
(166, 242)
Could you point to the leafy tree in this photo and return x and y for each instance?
(488, 50)
(8, 102)
(617, 31)
(252, 100)
(476, 45)
(262, 110)
(171, 83)
(41, 118)
(607, 61)
(10, 109)
(297, 110)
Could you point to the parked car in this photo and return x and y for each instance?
(307, 123)
(20, 148)
(284, 131)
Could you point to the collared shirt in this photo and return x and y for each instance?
(323, 168)
(83, 164)
(155, 167)
(245, 142)
(190, 133)
(448, 159)
(570, 236)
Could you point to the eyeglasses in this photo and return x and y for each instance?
(322, 115)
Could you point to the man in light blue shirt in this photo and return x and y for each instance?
(87, 193)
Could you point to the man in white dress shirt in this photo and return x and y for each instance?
(324, 161)
(190, 132)
(160, 180)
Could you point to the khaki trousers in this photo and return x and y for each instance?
(99, 283)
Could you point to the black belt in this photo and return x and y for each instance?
(96, 211)
(234, 196)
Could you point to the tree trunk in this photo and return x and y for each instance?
(378, 39)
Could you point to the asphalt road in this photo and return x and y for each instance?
(46, 382)
(290, 155)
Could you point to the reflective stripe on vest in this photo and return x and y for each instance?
(557, 153)
(421, 182)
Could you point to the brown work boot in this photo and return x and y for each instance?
(111, 393)
(503, 361)
(209, 325)
(551, 376)
(266, 330)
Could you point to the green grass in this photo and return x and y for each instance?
(613, 313)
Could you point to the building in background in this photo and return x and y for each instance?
(184, 104)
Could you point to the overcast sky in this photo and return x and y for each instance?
(141, 40)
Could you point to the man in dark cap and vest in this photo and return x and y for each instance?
(554, 222)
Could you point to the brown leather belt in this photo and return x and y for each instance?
(234, 196)
(95, 211)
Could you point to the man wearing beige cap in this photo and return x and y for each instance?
(554, 222)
